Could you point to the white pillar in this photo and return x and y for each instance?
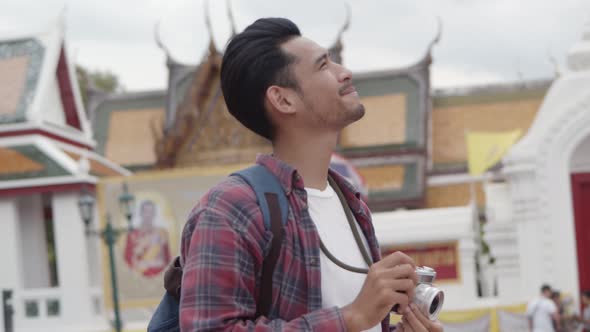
(10, 278)
(501, 234)
(34, 244)
(71, 249)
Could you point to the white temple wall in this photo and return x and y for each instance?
(33, 242)
(581, 159)
(71, 248)
(9, 245)
(538, 169)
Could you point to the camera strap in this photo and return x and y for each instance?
(355, 232)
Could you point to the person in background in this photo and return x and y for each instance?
(542, 312)
(558, 325)
(585, 319)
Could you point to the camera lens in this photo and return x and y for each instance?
(434, 305)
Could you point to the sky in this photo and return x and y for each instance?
(483, 41)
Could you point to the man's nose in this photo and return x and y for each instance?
(345, 74)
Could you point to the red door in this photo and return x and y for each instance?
(581, 195)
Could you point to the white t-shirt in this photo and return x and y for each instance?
(339, 286)
(541, 310)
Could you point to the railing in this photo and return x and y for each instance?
(37, 304)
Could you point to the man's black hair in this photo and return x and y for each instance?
(253, 61)
(545, 288)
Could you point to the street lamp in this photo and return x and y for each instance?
(109, 234)
(127, 204)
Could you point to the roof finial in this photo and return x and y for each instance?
(212, 47)
(578, 58)
(158, 38)
(427, 58)
(554, 63)
(336, 48)
(60, 19)
(230, 16)
(438, 35)
(346, 24)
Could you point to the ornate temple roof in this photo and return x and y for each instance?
(408, 134)
(45, 136)
(128, 125)
(199, 129)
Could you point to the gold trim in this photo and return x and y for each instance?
(175, 173)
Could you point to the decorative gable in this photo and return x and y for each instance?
(20, 65)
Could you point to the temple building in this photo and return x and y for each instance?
(410, 148)
(50, 270)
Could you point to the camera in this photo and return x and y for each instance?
(427, 298)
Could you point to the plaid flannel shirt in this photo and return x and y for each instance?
(223, 247)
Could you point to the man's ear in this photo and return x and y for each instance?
(281, 99)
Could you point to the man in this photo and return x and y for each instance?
(285, 87)
(585, 319)
(542, 312)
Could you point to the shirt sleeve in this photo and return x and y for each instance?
(219, 284)
(551, 307)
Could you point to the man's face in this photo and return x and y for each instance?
(585, 299)
(326, 97)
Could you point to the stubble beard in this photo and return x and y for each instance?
(357, 114)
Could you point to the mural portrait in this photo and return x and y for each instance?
(163, 201)
(147, 248)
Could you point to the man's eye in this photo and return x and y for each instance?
(324, 64)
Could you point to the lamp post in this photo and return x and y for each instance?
(109, 235)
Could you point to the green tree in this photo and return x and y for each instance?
(105, 81)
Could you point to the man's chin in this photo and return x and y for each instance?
(359, 112)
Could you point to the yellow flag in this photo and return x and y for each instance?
(485, 149)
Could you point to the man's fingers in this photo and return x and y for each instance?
(413, 322)
(431, 326)
(400, 301)
(402, 271)
(407, 326)
(421, 317)
(397, 258)
(405, 286)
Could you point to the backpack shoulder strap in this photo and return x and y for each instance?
(274, 206)
(264, 182)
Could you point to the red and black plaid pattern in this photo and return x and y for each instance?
(223, 247)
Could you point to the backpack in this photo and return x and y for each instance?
(274, 206)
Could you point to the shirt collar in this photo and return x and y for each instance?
(289, 178)
(285, 173)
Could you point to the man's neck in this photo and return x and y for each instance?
(310, 155)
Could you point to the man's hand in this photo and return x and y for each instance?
(413, 320)
(390, 281)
